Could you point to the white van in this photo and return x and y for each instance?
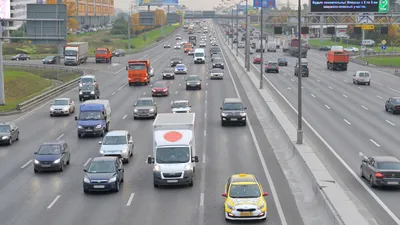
(362, 77)
(271, 47)
(199, 56)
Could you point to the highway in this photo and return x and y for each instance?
(349, 117)
(57, 198)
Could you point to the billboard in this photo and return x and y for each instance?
(264, 3)
(338, 6)
(157, 2)
(5, 9)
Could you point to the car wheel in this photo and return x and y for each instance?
(155, 185)
(79, 135)
(102, 133)
(191, 183)
(117, 186)
(222, 123)
(10, 141)
(244, 123)
(130, 155)
(127, 160)
(69, 159)
(134, 117)
(386, 109)
(35, 170)
(62, 166)
(371, 182)
(17, 139)
(392, 111)
(361, 172)
(86, 191)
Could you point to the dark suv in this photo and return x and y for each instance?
(89, 91)
(304, 70)
(233, 112)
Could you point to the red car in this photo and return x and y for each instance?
(257, 60)
(160, 89)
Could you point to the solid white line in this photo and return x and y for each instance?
(180, 85)
(53, 202)
(205, 133)
(393, 90)
(346, 81)
(204, 158)
(387, 121)
(360, 88)
(124, 117)
(289, 88)
(375, 143)
(206, 84)
(345, 96)
(377, 83)
(205, 115)
(120, 88)
(347, 121)
(330, 87)
(87, 162)
(176, 92)
(364, 107)
(130, 199)
(261, 157)
(318, 81)
(202, 199)
(113, 93)
(379, 97)
(313, 95)
(60, 137)
(327, 107)
(26, 164)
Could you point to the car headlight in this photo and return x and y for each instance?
(65, 108)
(125, 150)
(198, 83)
(79, 127)
(157, 168)
(213, 64)
(187, 83)
(135, 110)
(56, 161)
(231, 207)
(261, 206)
(51, 109)
(113, 179)
(5, 137)
(223, 114)
(101, 152)
(80, 85)
(172, 62)
(92, 92)
(242, 114)
(180, 61)
(222, 64)
(151, 110)
(80, 92)
(188, 167)
(36, 161)
(98, 126)
(86, 180)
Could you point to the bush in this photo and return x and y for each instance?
(106, 40)
(16, 48)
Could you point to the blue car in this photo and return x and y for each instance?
(51, 156)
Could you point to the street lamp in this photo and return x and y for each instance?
(299, 90)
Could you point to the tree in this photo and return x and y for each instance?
(120, 26)
(72, 23)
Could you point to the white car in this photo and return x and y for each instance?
(181, 106)
(117, 143)
(180, 69)
(177, 46)
(202, 45)
(241, 45)
(62, 106)
(351, 49)
(167, 46)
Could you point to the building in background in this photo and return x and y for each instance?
(17, 10)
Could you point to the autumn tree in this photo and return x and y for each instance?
(72, 23)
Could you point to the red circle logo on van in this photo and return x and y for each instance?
(173, 136)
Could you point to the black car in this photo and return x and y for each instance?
(9, 132)
(50, 60)
(272, 67)
(214, 50)
(21, 57)
(175, 61)
(233, 112)
(168, 73)
(381, 171)
(282, 62)
(193, 82)
(89, 91)
(325, 48)
(305, 71)
(104, 173)
(393, 105)
(218, 63)
(119, 53)
(51, 156)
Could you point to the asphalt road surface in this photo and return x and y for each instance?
(58, 198)
(351, 118)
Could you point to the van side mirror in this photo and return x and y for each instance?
(76, 118)
(100, 142)
(265, 194)
(84, 170)
(365, 160)
(245, 107)
(220, 108)
(35, 153)
(150, 160)
(130, 142)
(195, 159)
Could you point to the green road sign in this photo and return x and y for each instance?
(383, 6)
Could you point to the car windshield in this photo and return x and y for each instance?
(168, 70)
(102, 167)
(218, 60)
(193, 78)
(216, 71)
(86, 80)
(180, 104)
(159, 85)
(60, 102)
(397, 101)
(233, 106)
(90, 115)
(101, 51)
(4, 128)
(114, 140)
(176, 59)
(172, 155)
(49, 150)
(49, 57)
(244, 191)
(281, 60)
(70, 53)
(87, 87)
(180, 66)
(137, 66)
(388, 165)
(144, 103)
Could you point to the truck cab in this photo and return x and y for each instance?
(138, 72)
(199, 56)
(103, 55)
(94, 118)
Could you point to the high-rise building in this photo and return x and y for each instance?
(17, 11)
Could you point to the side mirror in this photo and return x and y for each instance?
(220, 108)
(150, 160)
(224, 195)
(265, 194)
(119, 169)
(76, 118)
(84, 170)
(365, 161)
(35, 153)
(130, 142)
(195, 159)
(100, 142)
(245, 107)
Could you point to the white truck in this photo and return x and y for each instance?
(199, 56)
(285, 45)
(271, 46)
(174, 149)
(76, 53)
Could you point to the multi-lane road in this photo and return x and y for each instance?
(58, 198)
(351, 118)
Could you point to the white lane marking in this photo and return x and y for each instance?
(392, 89)
(387, 121)
(318, 81)
(26, 164)
(60, 137)
(364, 107)
(375, 143)
(377, 83)
(379, 97)
(333, 75)
(318, 89)
(53, 202)
(275, 195)
(205, 115)
(345, 81)
(347, 121)
(205, 133)
(180, 85)
(202, 199)
(292, 80)
(204, 158)
(284, 74)
(176, 92)
(360, 88)
(130, 199)
(206, 84)
(313, 95)
(113, 93)
(124, 117)
(330, 87)
(302, 87)
(289, 88)
(87, 162)
(121, 87)
(345, 96)
(144, 93)
(327, 107)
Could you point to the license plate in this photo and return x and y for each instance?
(392, 182)
(98, 186)
(246, 214)
(89, 130)
(172, 181)
(46, 165)
(86, 96)
(233, 119)
(193, 85)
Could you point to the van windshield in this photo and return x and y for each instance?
(172, 155)
(199, 54)
(70, 53)
(91, 115)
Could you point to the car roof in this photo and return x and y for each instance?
(117, 133)
(54, 142)
(146, 98)
(61, 99)
(181, 101)
(87, 76)
(193, 75)
(5, 123)
(104, 158)
(180, 64)
(243, 178)
(272, 62)
(233, 100)
(176, 57)
(385, 159)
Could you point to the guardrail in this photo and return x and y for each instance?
(397, 72)
(42, 66)
(359, 61)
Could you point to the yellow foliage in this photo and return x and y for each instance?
(73, 24)
(135, 26)
(71, 6)
(159, 19)
(394, 31)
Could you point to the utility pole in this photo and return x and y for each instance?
(262, 48)
(299, 90)
(237, 30)
(129, 27)
(247, 45)
(2, 96)
(233, 33)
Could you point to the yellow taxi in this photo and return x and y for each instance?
(244, 198)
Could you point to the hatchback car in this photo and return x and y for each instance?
(180, 69)
(160, 89)
(51, 156)
(103, 174)
(272, 66)
(181, 106)
(145, 107)
(282, 62)
(216, 74)
(9, 132)
(233, 112)
(50, 60)
(202, 45)
(193, 82)
(62, 106)
(392, 105)
(117, 143)
(218, 63)
(168, 73)
(257, 59)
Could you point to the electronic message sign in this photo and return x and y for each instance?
(338, 6)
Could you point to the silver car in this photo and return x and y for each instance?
(62, 106)
(117, 143)
(87, 79)
(145, 107)
(151, 72)
(216, 74)
(181, 106)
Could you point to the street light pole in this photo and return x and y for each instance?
(299, 90)
(247, 63)
(129, 27)
(237, 30)
(262, 49)
(232, 29)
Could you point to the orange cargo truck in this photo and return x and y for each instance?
(138, 72)
(187, 47)
(103, 55)
(337, 60)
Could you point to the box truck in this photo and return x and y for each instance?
(76, 53)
